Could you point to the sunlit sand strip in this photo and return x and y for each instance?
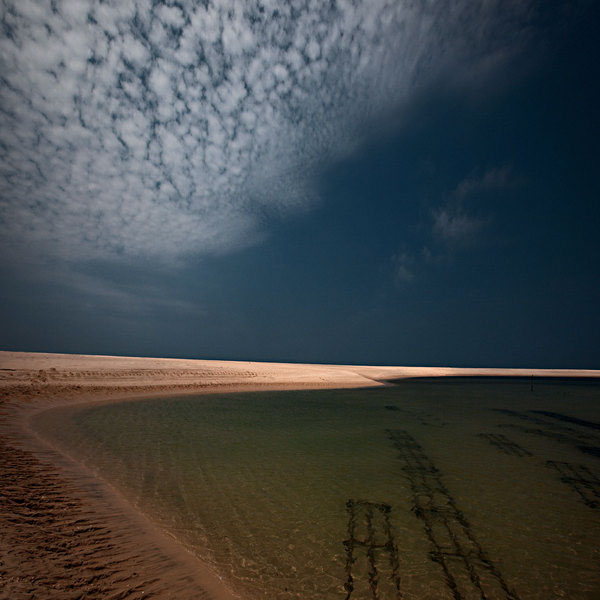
(67, 534)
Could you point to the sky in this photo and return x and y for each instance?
(361, 182)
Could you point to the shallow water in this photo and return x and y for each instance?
(426, 489)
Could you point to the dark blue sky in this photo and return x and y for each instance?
(360, 183)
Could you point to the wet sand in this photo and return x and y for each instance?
(68, 534)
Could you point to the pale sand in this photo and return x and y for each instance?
(65, 533)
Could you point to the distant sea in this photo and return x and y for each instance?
(428, 489)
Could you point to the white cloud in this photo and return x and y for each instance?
(170, 15)
(313, 50)
(496, 178)
(454, 224)
(403, 267)
(139, 128)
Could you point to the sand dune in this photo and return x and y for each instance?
(52, 371)
(67, 535)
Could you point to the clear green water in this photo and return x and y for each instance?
(258, 485)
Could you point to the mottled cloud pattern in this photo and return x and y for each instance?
(139, 128)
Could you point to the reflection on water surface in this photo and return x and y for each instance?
(447, 489)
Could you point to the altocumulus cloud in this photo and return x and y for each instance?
(140, 128)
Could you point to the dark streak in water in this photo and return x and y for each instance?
(580, 479)
(561, 438)
(560, 432)
(593, 450)
(504, 444)
(568, 419)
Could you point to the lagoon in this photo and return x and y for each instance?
(450, 488)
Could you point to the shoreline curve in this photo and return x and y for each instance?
(66, 532)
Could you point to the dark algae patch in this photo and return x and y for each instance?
(467, 568)
(505, 445)
(568, 419)
(370, 537)
(591, 450)
(580, 479)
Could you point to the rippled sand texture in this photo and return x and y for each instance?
(421, 490)
(67, 542)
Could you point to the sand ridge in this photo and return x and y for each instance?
(65, 534)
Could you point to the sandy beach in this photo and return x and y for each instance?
(67, 534)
